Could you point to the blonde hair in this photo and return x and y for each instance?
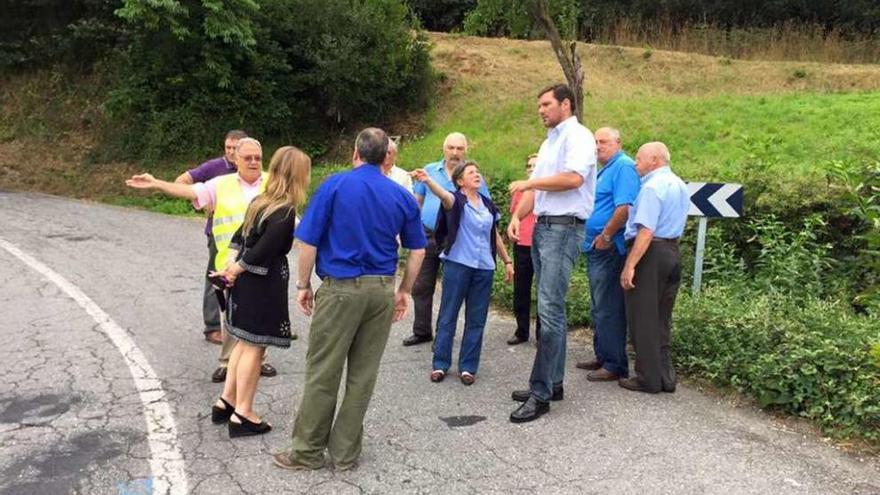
(289, 175)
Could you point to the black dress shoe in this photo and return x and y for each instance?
(221, 414)
(523, 395)
(219, 375)
(530, 410)
(268, 370)
(634, 385)
(515, 340)
(416, 339)
(247, 428)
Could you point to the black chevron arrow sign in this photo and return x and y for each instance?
(715, 200)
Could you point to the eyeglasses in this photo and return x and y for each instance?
(252, 158)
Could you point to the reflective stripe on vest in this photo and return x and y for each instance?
(229, 213)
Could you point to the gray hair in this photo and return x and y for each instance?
(615, 134)
(372, 145)
(455, 135)
(246, 140)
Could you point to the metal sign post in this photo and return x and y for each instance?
(710, 200)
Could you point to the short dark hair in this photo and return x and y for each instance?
(372, 145)
(459, 169)
(560, 92)
(236, 134)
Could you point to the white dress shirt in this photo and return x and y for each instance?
(569, 147)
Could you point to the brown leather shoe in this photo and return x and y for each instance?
(602, 375)
(634, 385)
(588, 365)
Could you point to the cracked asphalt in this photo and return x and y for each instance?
(71, 419)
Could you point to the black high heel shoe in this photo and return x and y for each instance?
(247, 428)
(221, 415)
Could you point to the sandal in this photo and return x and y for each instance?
(221, 415)
(246, 427)
(437, 376)
(467, 378)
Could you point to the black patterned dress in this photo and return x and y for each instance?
(257, 309)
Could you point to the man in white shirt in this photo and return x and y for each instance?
(560, 192)
(392, 171)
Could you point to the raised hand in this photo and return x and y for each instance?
(419, 174)
(142, 181)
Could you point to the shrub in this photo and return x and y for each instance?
(296, 71)
(810, 357)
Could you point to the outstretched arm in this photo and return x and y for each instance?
(446, 197)
(147, 181)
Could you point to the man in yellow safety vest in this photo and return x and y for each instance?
(229, 196)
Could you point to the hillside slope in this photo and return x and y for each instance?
(718, 115)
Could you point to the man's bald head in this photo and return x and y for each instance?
(652, 156)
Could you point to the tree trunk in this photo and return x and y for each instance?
(567, 55)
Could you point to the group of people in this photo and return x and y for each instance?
(627, 218)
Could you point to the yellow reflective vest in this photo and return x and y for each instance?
(229, 213)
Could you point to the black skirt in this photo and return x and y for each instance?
(257, 310)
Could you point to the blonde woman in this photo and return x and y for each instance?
(256, 314)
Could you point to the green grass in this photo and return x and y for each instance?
(711, 139)
(155, 202)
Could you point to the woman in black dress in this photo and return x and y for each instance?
(256, 314)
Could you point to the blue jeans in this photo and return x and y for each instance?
(462, 284)
(608, 309)
(555, 249)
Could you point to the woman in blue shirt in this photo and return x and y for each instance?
(467, 230)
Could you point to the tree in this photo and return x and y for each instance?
(567, 55)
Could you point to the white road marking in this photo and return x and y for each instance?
(166, 461)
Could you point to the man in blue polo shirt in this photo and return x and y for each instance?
(351, 230)
(651, 273)
(617, 186)
(454, 151)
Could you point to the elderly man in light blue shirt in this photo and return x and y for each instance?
(652, 272)
(560, 192)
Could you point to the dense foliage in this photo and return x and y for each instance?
(183, 72)
(35, 33)
(441, 15)
(508, 17)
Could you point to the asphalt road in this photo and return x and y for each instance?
(105, 389)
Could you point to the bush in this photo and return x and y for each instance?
(293, 71)
(441, 15)
(809, 357)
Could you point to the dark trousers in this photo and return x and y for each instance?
(210, 306)
(423, 289)
(522, 292)
(649, 314)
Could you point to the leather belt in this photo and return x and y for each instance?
(560, 220)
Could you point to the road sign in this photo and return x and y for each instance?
(714, 200)
(711, 200)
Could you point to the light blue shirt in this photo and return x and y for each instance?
(431, 203)
(617, 184)
(662, 205)
(569, 147)
(473, 244)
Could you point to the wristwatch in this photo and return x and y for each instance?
(303, 287)
(605, 238)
